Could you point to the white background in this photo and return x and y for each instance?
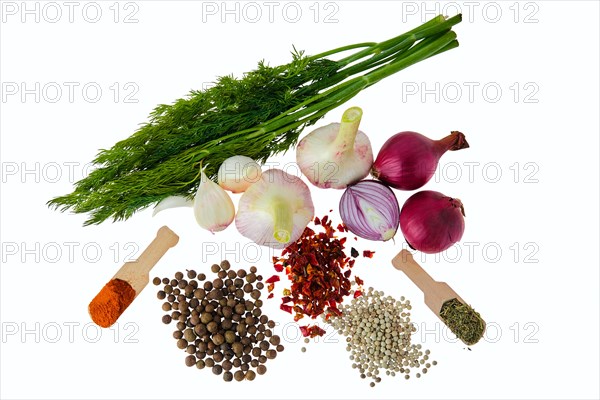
(533, 230)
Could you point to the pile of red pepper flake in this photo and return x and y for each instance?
(319, 271)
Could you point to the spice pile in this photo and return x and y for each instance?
(463, 321)
(111, 302)
(378, 331)
(319, 271)
(220, 323)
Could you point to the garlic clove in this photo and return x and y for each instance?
(213, 208)
(172, 202)
(237, 173)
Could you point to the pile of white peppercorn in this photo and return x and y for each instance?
(378, 334)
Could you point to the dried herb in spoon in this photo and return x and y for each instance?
(463, 321)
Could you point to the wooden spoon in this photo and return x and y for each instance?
(436, 293)
(129, 281)
(137, 273)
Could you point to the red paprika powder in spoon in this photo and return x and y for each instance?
(110, 302)
(129, 281)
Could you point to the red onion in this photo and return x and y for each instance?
(432, 222)
(408, 160)
(369, 209)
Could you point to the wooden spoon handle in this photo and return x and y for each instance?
(405, 262)
(137, 272)
(164, 240)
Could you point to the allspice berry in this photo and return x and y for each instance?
(230, 337)
(271, 354)
(189, 335)
(225, 265)
(190, 361)
(238, 376)
(250, 375)
(212, 327)
(218, 339)
(275, 340)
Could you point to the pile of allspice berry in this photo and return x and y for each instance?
(219, 322)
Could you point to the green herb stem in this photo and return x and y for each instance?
(259, 115)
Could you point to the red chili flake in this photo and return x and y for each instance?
(270, 287)
(286, 299)
(316, 331)
(311, 331)
(270, 296)
(353, 252)
(358, 281)
(318, 270)
(357, 293)
(304, 331)
(286, 308)
(368, 253)
(335, 311)
(274, 278)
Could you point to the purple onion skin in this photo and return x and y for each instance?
(382, 198)
(432, 222)
(408, 160)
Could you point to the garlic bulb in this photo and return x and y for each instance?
(275, 210)
(237, 173)
(213, 207)
(336, 155)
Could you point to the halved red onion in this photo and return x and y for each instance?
(369, 209)
(432, 222)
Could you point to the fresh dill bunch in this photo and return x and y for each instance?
(258, 115)
(230, 105)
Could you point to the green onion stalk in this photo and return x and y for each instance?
(258, 116)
